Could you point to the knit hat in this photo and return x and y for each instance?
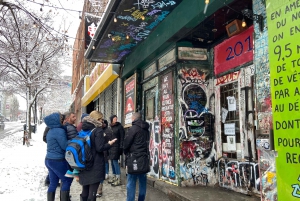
(112, 117)
(83, 115)
(96, 115)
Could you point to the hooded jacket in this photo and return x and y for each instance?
(135, 140)
(98, 146)
(56, 137)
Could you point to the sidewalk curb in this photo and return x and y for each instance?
(160, 186)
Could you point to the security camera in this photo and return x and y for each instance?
(109, 35)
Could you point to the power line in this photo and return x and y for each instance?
(45, 25)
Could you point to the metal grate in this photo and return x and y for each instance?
(232, 116)
(108, 101)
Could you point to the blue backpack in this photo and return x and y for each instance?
(78, 152)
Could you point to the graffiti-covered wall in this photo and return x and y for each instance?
(264, 110)
(196, 125)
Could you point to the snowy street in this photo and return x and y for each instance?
(22, 169)
(23, 172)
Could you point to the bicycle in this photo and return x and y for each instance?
(26, 138)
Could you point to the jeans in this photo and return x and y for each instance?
(115, 167)
(131, 184)
(57, 170)
(106, 168)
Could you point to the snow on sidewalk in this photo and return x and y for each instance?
(22, 168)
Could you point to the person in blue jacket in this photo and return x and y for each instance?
(55, 157)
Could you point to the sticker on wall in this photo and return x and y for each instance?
(231, 103)
(229, 129)
(224, 115)
(231, 145)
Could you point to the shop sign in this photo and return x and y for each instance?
(234, 52)
(130, 95)
(166, 59)
(97, 71)
(228, 78)
(150, 70)
(167, 122)
(189, 53)
(284, 50)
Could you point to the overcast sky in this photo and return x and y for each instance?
(70, 19)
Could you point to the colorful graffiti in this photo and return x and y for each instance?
(239, 176)
(135, 21)
(197, 152)
(154, 148)
(268, 175)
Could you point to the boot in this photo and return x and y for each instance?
(83, 198)
(50, 196)
(99, 191)
(112, 179)
(117, 182)
(64, 195)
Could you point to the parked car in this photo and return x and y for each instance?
(2, 124)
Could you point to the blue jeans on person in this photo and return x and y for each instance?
(131, 184)
(106, 168)
(57, 170)
(115, 167)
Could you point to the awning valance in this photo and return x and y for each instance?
(103, 81)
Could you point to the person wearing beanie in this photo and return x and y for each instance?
(79, 126)
(116, 131)
(90, 179)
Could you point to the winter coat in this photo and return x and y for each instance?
(56, 137)
(116, 131)
(135, 140)
(98, 146)
(71, 131)
(45, 134)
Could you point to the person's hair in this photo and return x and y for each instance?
(96, 115)
(68, 114)
(137, 115)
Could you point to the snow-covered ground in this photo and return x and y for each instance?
(22, 168)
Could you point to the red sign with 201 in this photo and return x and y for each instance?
(233, 52)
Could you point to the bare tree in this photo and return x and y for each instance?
(31, 53)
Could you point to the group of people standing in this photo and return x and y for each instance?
(108, 142)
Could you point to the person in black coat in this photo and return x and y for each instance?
(116, 131)
(136, 142)
(90, 179)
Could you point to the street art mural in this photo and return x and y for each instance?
(196, 126)
(239, 176)
(154, 148)
(167, 129)
(268, 175)
(135, 21)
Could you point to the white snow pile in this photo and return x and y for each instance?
(22, 168)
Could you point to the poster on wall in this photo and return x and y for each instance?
(231, 145)
(224, 115)
(229, 129)
(129, 97)
(231, 103)
(284, 50)
(167, 123)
